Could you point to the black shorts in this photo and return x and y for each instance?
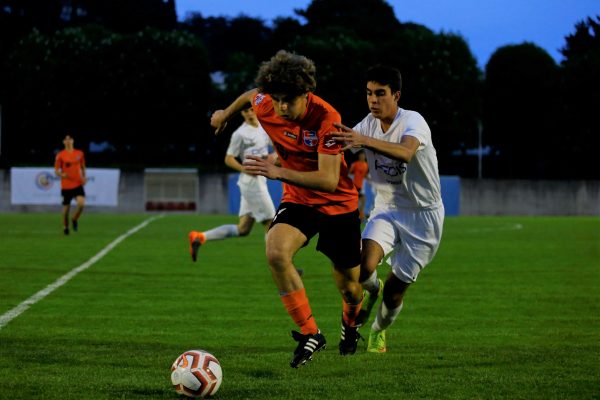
(339, 235)
(70, 194)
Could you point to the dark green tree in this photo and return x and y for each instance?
(520, 113)
(147, 94)
(226, 36)
(371, 20)
(581, 98)
(441, 77)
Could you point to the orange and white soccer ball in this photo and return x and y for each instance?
(196, 374)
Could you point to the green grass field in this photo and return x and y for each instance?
(509, 309)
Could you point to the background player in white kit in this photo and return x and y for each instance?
(408, 214)
(255, 202)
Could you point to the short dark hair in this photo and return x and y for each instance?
(287, 73)
(385, 75)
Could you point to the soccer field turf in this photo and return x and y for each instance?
(509, 309)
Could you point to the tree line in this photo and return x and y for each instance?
(136, 87)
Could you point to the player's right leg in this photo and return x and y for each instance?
(307, 345)
(66, 203)
(245, 225)
(196, 240)
(283, 242)
(80, 206)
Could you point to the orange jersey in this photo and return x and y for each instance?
(71, 163)
(298, 144)
(359, 169)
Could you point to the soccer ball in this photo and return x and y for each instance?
(196, 373)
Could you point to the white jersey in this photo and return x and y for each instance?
(248, 140)
(398, 184)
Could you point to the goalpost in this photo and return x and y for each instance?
(171, 189)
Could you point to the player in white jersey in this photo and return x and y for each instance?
(408, 214)
(255, 202)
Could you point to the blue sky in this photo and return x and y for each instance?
(485, 24)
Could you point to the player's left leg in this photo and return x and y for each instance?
(421, 232)
(393, 296)
(80, 206)
(339, 240)
(346, 280)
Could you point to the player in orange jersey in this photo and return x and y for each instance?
(359, 170)
(318, 196)
(69, 165)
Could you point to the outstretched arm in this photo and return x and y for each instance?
(219, 118)
(403, 151)
(326, 178)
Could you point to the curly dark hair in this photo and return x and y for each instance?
(287, 73)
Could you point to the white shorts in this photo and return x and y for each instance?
(413, 235)
(256, 203)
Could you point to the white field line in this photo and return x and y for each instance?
(21, 308)
(511, 227)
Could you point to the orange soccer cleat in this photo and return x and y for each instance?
(197, 239)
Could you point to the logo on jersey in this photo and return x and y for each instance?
(330, 142)
(310, 138)
(290, 135)
(391, 170)
(259, 99)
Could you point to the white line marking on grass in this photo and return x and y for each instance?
(511, 227)
(21, 308)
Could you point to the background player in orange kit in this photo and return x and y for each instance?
(359, 170)
(69, 165)
(318, 196)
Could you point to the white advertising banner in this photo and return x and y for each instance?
(42, 186)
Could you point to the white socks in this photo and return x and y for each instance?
(222, 232)
(385, 317)
(371, 285)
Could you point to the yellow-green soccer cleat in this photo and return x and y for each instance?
(376, 342)
(367, 305)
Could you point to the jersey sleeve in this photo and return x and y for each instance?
(235, 144)
(327, 131)
(260, 104)
(418, 128)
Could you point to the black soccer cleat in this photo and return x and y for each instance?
(75, 225)
(349, 339)
(307, 346)
(66, 231)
